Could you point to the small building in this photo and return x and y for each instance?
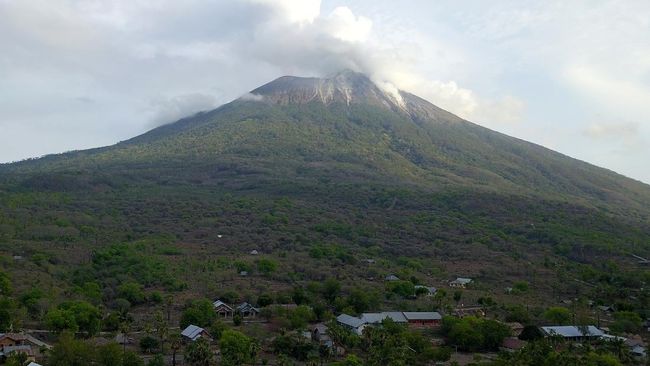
(423, 319)
(370, 261)
(120, 338)
(34, 364)
(26, 349)
(351, 323)
(318, 331)
(391, 278)
(430, 291)
(254, 252)
(243, 273)
(22, 343)
(193, 332)
(639, 352)
(377, 318)
(460, 282)
(222, 309)
(247, 310)
(573, 332)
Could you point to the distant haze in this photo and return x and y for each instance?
(572, 76)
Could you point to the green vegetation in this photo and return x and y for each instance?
(142, 236)
(475, 334)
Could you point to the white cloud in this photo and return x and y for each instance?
(613, 92)
(167, 110)
(556, 65)
(626, 132)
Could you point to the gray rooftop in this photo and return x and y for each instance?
(572, 331)
(462, 280)
(422, 315)
(350, 321)
(373, 318)
(192, 332)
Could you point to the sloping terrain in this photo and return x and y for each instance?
(330, 171)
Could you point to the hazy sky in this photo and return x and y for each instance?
(573, 76)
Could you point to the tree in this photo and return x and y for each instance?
(626, 322)
(175, 343)
(300, 316)
(331, 289)
(109, 355)
(457, 296)
(17, 359)
(148, 344)
(7, 307)
(132, 359)
(74, 316)
(558, 315)
(161, 329)
(198, 353)
(520, 287)
(132, 291)
(473, 334)
(264, 300)
(157, 360)
(70, 352)
(531, 333)
(198, 312)
(350, 360)
(403, 288)
(266, 266)
(217, 328)
(5, 284)
(237, 319)
(236, 348)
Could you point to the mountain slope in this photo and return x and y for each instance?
(348, 128)
(320, 175)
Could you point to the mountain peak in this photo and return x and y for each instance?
(346, 86)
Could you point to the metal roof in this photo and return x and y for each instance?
(422, 315)
(462, 280)
(373, 318)
(572, 331)
(192, 332)
(350, 321)
(219, 303)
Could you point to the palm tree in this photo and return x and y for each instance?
(175, 344)
(161, 329)
(125, 329)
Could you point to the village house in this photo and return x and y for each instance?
(22, 343)
(351, 323)
(415, 319)
(222, 309)
(460, 282)
(247, 310)
(573, 332)
(120, 338)
(193, 332)
(423, 319)
(391, 278)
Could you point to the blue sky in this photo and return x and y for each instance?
(572, 76)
